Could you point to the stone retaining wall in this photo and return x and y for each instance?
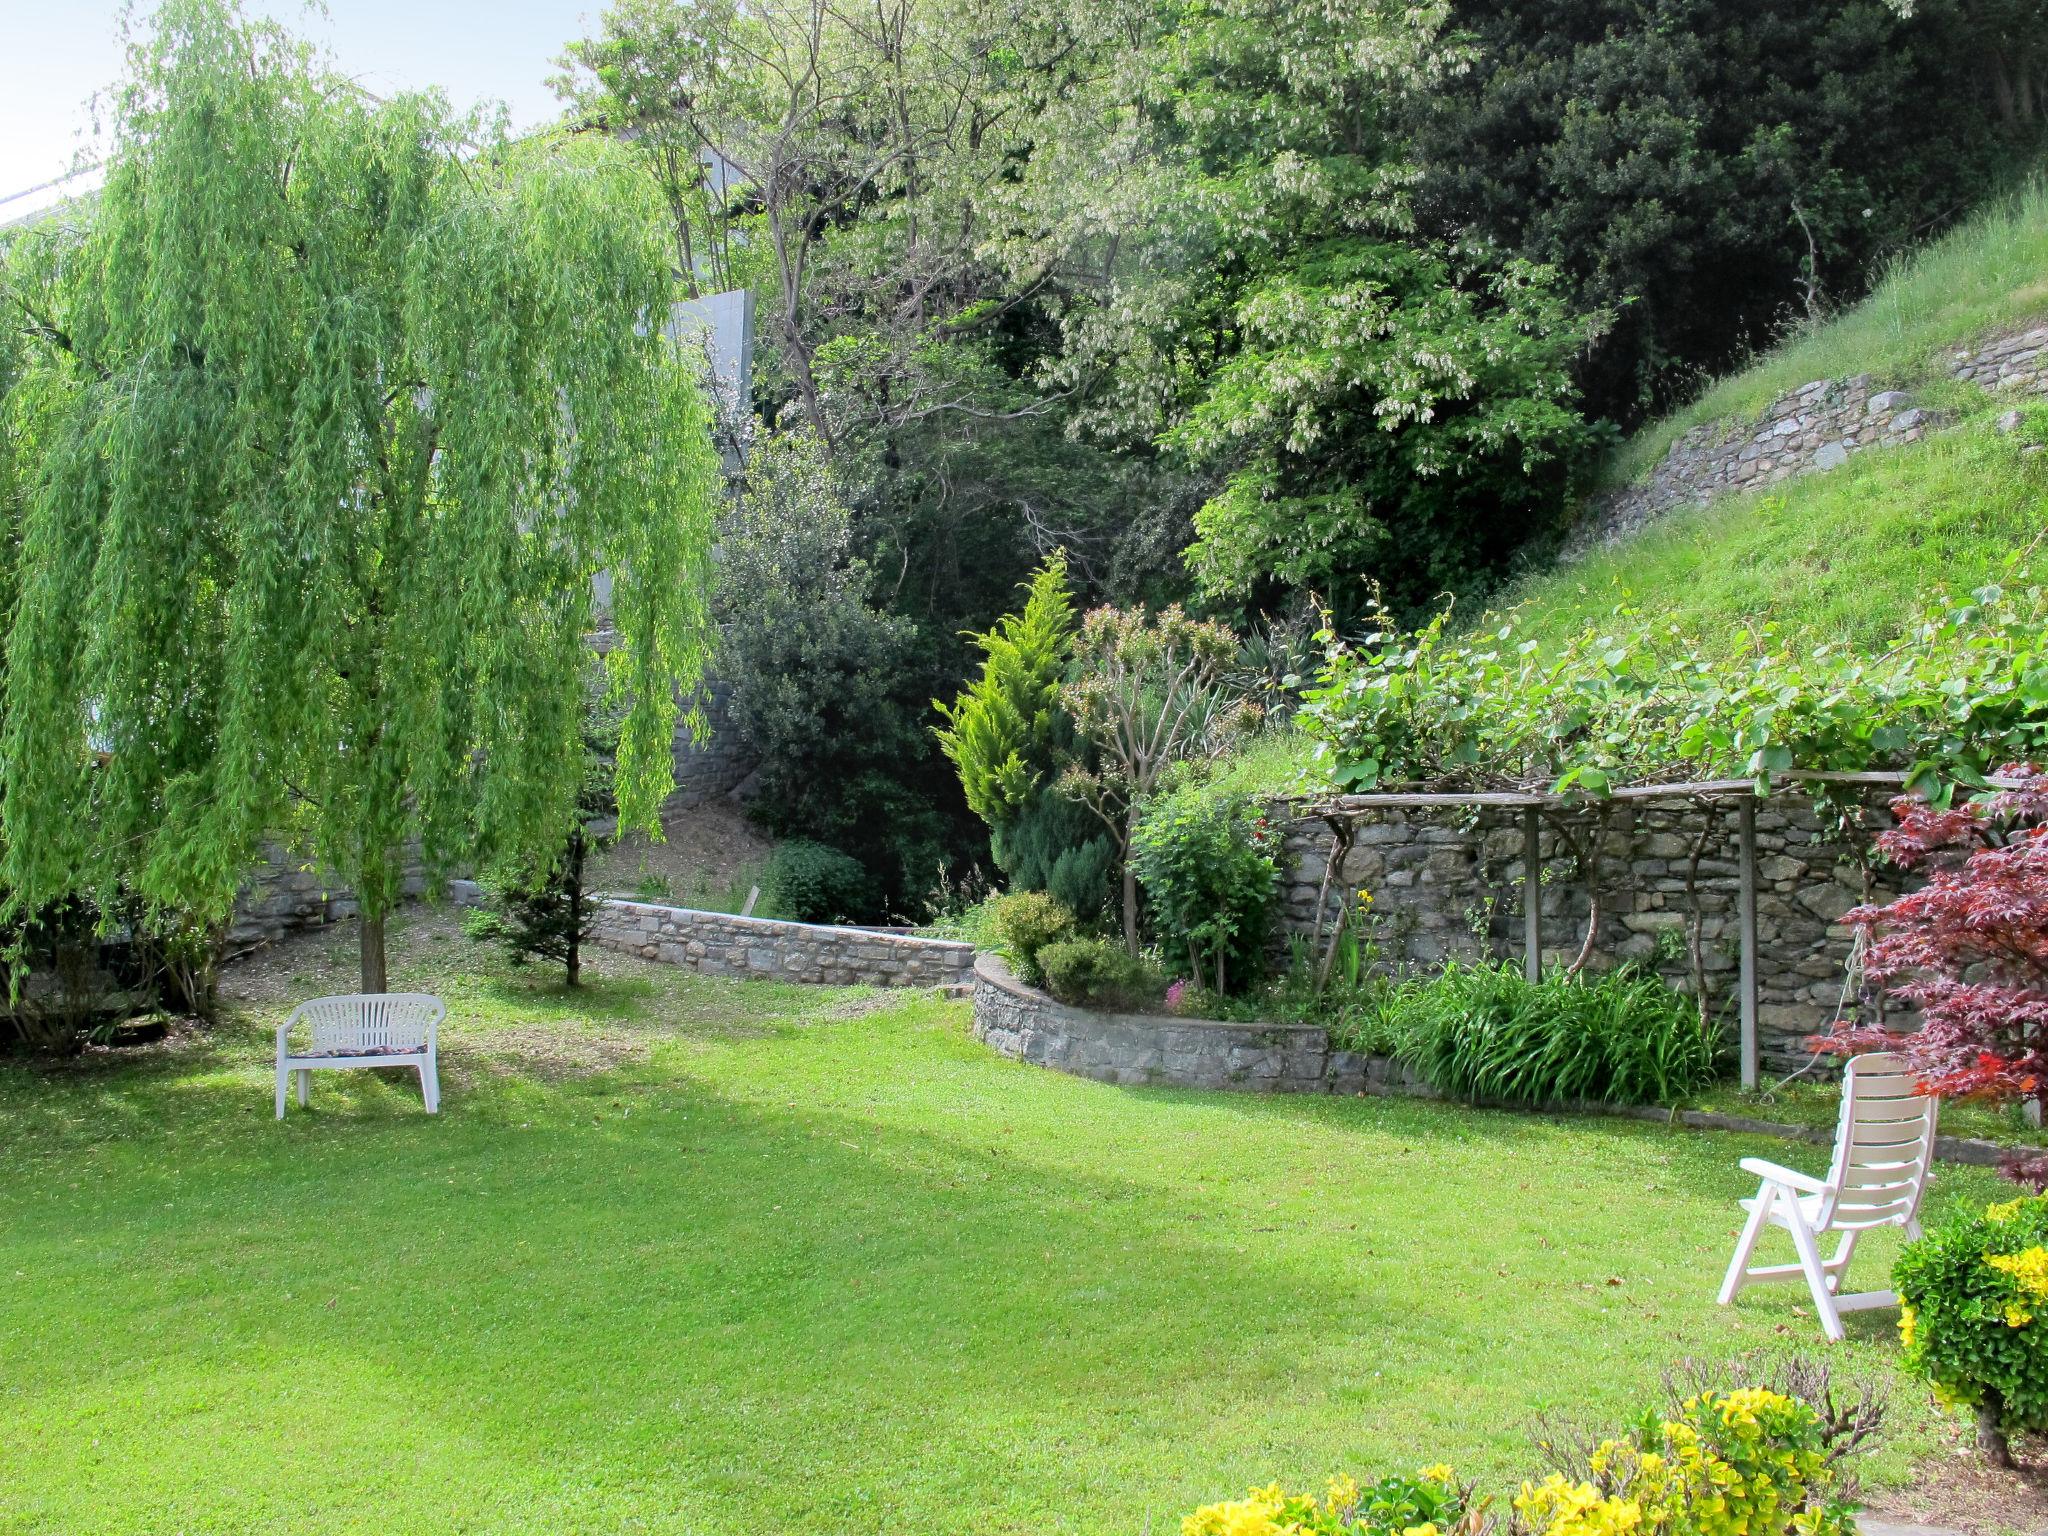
(1815, 427)
(719, 944)
(1443, 887)
(1025, 1023)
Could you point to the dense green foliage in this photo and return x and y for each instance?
(1705, 170)
(824, 681)
(271, 443)
(1208, 861)
(1025, 922)
(1964, 692)
(1487, 1032)
(1094, 972)
(809, 882)
(1970, 1291)
(1245, 300)
(841, 1212)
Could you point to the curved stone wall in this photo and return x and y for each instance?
(1025, 1023)
(720, 944)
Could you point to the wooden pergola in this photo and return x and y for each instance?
(1533, 802)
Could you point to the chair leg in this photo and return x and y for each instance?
(1838, 1266)
(1745, 1245)
(281, 1076)
(305, 1083)
(1816, 1274)
(430, 1086)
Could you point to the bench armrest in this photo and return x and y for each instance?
(1774, 1173)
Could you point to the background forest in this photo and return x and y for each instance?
(1242, 303)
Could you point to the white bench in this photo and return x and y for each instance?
(364, 1029)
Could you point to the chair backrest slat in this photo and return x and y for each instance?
(1883, 1144)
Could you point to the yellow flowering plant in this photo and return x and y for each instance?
(1753, 1462)
(1973, 1316)
(1430, 1503)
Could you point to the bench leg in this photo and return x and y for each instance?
(430, 1086)
(281, 1076)
(305, 1082)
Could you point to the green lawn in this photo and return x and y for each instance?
(690, 1256)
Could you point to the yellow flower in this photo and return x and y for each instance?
(1427, 1528)
(2017, 1316)
(1439, 1472)
(1341, 1495)
(1909, 1319)
(2029, 1268)
(2006, 1211)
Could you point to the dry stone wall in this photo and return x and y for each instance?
(719, 944)
(1443, 888)
(1815, 427)
(1135, 1048)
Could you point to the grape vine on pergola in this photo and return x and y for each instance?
(1343, 812)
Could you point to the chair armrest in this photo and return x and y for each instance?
(1774, 1173)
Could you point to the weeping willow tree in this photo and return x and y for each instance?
(331, 411)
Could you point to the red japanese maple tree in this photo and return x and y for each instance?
(1969, 948)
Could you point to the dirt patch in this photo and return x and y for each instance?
(711, 856)
(1953, 1488)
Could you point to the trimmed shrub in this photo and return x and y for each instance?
(812, 883)
(1025, 922)
(1208, 859)
(1096, 973)
(1487, 1032)
(1974, 1316)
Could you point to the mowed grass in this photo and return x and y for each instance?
(1851, 556)
(1990, 273)
(689, 1256)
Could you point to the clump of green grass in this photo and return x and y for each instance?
(1848, 556)
(1989, 273)
(1487, 1032)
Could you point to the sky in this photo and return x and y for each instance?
(54, 54)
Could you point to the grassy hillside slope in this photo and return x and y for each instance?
(1854, 554)
(1846, 556)
(1988, 273)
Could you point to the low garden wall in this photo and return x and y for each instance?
(1444, 887)
(1027, 1024)
(720, 944)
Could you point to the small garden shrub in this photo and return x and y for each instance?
(1208, 859)
(1025, 922)
(1974, 1316)
(1487, 1032)
(1432, 1500)
(1096, 973)
(811, 883)
(1752, 1462)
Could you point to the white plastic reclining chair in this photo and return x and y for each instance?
(364, 1029)
(1882, 1150)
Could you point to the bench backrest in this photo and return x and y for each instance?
(1883, 1145)
(391, 1021)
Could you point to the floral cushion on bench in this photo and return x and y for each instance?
(364, 1050)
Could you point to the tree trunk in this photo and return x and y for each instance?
(573, 960)
(1131, 887)
(1991, 1431)
(374, 979)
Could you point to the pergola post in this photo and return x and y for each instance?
(1532, 896)
(1746, 825)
